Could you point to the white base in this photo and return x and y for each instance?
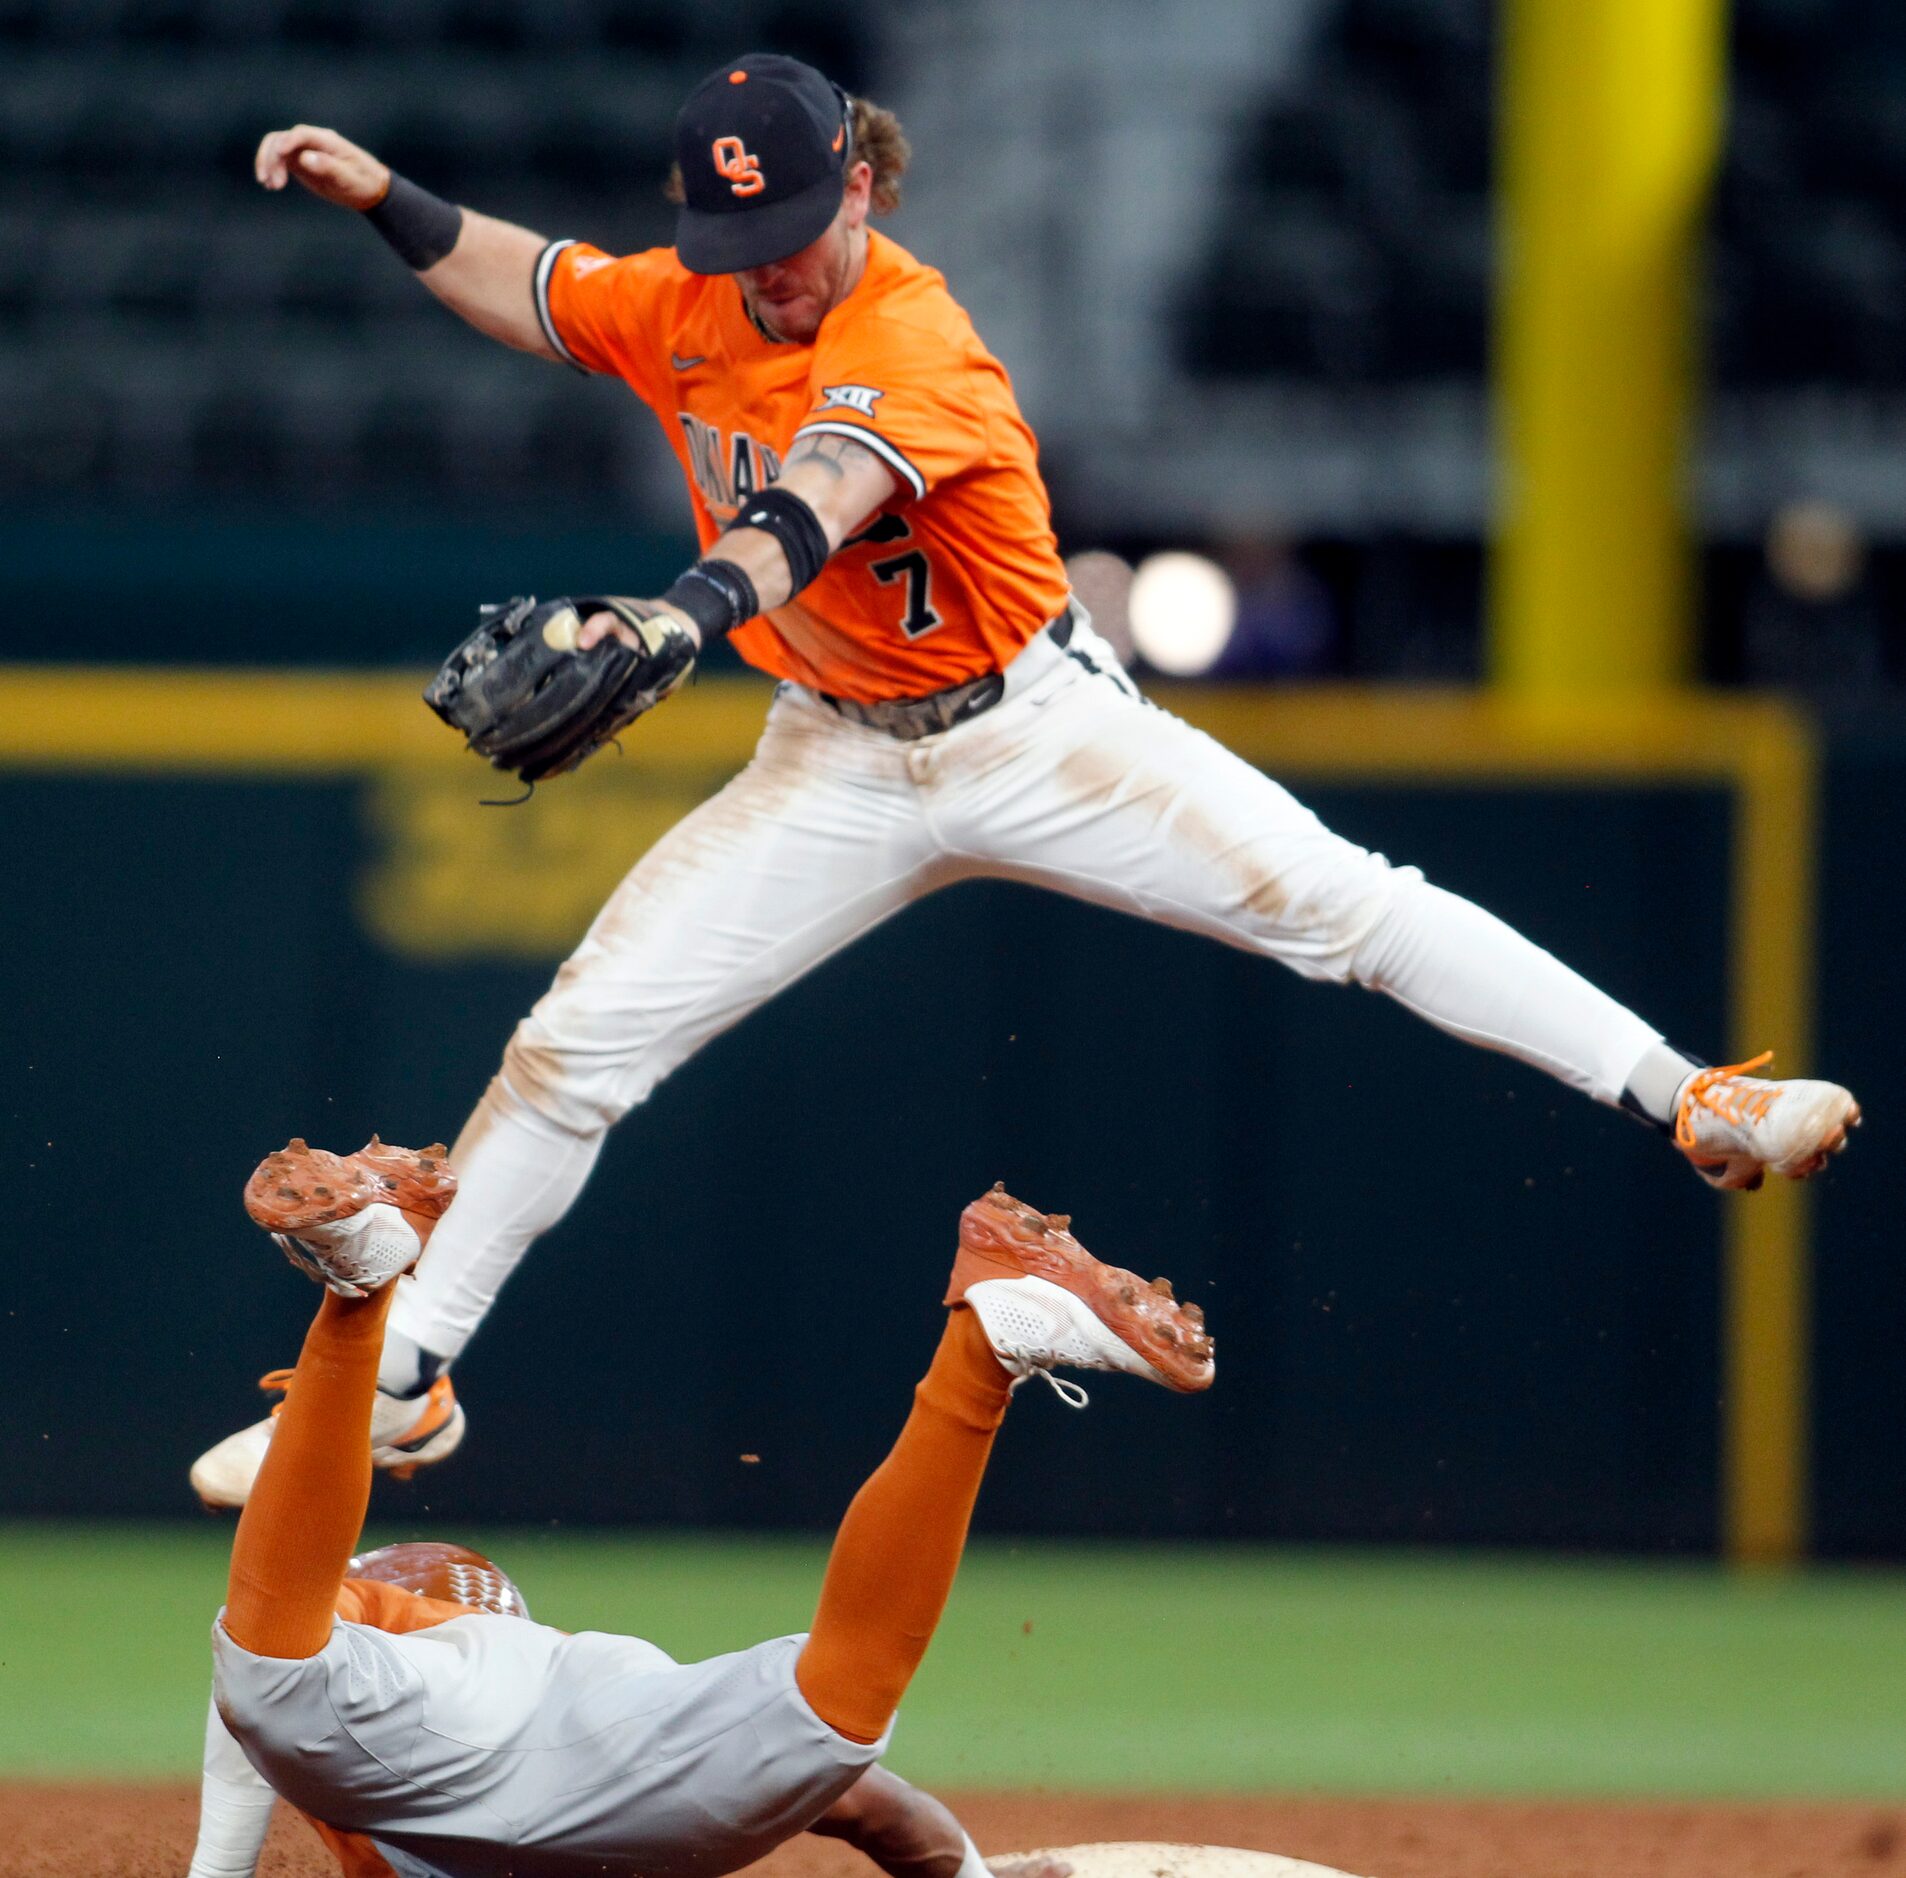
(1148, 1859)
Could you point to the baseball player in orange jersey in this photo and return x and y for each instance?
(452, 1737)
(876, 536)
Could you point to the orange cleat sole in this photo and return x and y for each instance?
(1001, 1237)
(300, 1187)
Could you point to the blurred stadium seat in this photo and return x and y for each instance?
(1272, 308)
(1389, 135)
(165, 328)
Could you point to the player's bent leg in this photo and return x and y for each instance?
(518, 1173)
(1027, 1298)
(355, 1223)
(815, 843)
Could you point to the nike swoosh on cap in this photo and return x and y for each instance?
(687, 365)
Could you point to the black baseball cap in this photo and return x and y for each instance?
(763, 144)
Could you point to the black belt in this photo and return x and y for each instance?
(911, 718)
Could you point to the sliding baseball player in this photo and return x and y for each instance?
(429, 1728)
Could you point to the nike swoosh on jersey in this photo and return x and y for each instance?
(687, 365)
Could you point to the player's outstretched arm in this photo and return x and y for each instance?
(910, 1834)
(235, 1803)
(781, 539)
(480, 268)
(537, 694)
(842, 481)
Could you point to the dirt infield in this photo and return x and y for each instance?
(100, 1831)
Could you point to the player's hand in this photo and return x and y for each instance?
(600, 626)
(328, 165)
(530, 695)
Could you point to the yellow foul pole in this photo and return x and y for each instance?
(1609, 117)
(1608, 131)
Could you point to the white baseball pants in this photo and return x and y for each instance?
(1072, 782)
(494, 1747)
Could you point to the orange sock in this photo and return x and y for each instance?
(899, 1547)
(301, 1524)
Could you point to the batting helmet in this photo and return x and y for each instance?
(451, 1572)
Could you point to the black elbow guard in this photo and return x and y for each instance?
(781, 513)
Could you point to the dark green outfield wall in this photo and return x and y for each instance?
(1454, 1302)
(1859, 1449)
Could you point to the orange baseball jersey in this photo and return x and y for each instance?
(953, 575)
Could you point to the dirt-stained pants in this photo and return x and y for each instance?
(1073, 782)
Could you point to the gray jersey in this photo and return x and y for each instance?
(493, 1745)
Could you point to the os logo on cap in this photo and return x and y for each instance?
(742, 169)
(765, 147)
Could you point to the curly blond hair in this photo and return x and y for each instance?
(878, 140)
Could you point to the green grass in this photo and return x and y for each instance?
(1119, 1666)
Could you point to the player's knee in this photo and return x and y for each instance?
(571, 1092)
(1330, 908)
(1387, 936)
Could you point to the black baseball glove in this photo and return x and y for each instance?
(524, 697)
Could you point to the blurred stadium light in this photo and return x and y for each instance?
(1183, 607)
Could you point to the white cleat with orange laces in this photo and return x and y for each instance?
(1734, 1126)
